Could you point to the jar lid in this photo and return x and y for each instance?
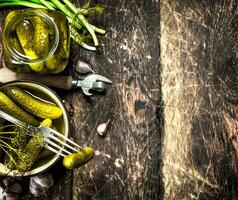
(31, 36)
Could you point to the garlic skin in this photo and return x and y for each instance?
(83, 68)
(15, 188)
(9, 189)
(35, 190)
(102, 129)
(8, 181)
(39, 184)
(12, 196)
(2, 193)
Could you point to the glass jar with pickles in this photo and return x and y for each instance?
(36, 40)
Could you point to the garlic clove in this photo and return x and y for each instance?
(83, 68)
(102, 129)
(16, 188)
(40, 183)
(8, 181)
(35, 190)
(2, 193)
(12, 196)
(11, 189)
(43, 181)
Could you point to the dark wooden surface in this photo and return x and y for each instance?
(173, 104)
(199, 62)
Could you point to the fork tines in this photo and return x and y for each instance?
(58, 143)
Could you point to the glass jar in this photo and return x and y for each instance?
(36, 40)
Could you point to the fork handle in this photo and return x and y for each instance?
(13, 120)
(17, 122)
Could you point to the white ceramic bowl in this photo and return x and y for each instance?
(61, 124)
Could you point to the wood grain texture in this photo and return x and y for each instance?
(127, 162)
(179, 145)
(199, 84)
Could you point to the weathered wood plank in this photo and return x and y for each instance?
(199, 84)
(127, 162)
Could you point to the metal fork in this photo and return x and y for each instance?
(54, 141)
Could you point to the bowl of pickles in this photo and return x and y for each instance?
(21, 153)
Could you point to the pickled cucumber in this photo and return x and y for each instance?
(59, 59)
(8, 106)
(35, 37)
(78, 159)
(41, 37)
(14, 65)
(20, 138)
(25, 33)
(45, 152)
(46, 122)
(11, 15)
(31, 104)
(30, 153)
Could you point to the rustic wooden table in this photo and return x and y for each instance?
(171, 146)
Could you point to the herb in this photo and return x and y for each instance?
(30, 153)
(79, 24)
(19, 153)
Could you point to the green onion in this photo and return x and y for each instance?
(21, 3)
(46, 4)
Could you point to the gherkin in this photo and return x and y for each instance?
(39, 39)
(30, 153)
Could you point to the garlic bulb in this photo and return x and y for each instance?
(39, 184)
(9, 189)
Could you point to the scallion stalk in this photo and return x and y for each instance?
(79, 39)
(21, 3)
(46, 4)
(82, 19)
